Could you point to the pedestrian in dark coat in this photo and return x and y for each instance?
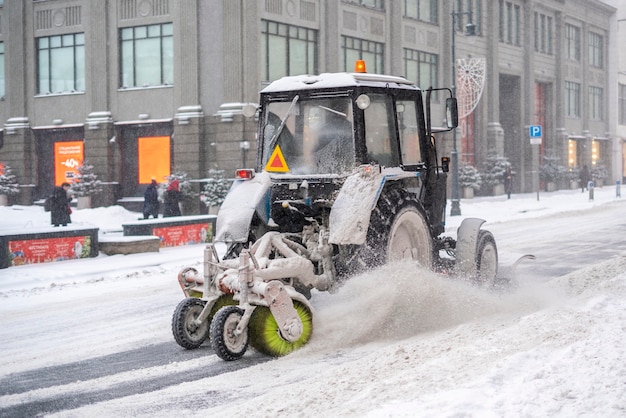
(584, 178)
(172, 197)
(508, 181)
(60, 206)
(151, 201)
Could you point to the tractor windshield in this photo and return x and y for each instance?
(309, 136)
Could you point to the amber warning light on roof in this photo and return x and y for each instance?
(359, 66)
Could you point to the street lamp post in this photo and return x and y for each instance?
(455, 210)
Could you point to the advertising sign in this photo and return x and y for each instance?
(153, 158)
(68, 156)
(172, 236)
(48, 249)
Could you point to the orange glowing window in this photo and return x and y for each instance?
(68, 156)
(153, 158)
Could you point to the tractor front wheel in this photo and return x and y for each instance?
(186, 332)
(486, 260)
(226, 344)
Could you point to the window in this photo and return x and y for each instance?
(376, 4)
(572, 99)
(147, 56)
(408, 131)
(509, 22)
(287, 50)
(621, 93)
(380, 131)
(424, 10)
(596, 99)
(572, 42)
(596, 48)
(61, 63)
(2, 74)
(543, 33)
(355, 49)
(421, 67)
(468, 11)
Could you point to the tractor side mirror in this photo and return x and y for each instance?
(445, 164)
(452, 113)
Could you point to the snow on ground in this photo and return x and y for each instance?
(397, 348)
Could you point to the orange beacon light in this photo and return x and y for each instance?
(359, 66)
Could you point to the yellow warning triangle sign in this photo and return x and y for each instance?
(276, 162)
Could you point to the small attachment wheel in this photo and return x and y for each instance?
(265, 335)
(486, 260)
(186, 333)
(226, 344)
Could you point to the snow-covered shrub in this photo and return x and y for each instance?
(493, 171)
(469, 176)
(8, 182)
(86, 182)
(215, 189)
(599, 171)
(551, 170)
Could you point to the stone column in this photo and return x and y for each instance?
(18, 152)
(189, 150)
(102, 151)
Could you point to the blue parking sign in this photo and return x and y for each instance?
(534, 131)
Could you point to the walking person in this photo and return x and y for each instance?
(60, 209)
(584, 178)
(172, 197)
(508, 181)
(151, 201)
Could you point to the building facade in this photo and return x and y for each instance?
(144, 88)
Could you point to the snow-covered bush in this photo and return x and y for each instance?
(599, 171)
(8, 182)
(469, 176)
(551, 171)
(215, 189)
(493, 171)
(86, 182)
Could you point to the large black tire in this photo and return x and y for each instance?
(265, 336)
(486, 260)
(185, 333)
(225, 344)
(397, 230)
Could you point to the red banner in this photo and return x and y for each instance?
(49, 249)
(172, 236)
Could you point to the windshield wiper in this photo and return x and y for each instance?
(282, 122)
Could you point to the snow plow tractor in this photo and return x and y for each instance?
(347, 178)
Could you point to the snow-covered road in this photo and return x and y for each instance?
(389, 343)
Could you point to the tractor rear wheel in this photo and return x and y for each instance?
(398, 230)
(265, 335)
(225, 343)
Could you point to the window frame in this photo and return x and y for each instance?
(165, 68)
(421, 8)
(271, 29)
(621, 98)
(572, 99)
(596, 50)
(58, 43)
(421, 58)
(371, 51)
(596, 103)
(572, 42)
